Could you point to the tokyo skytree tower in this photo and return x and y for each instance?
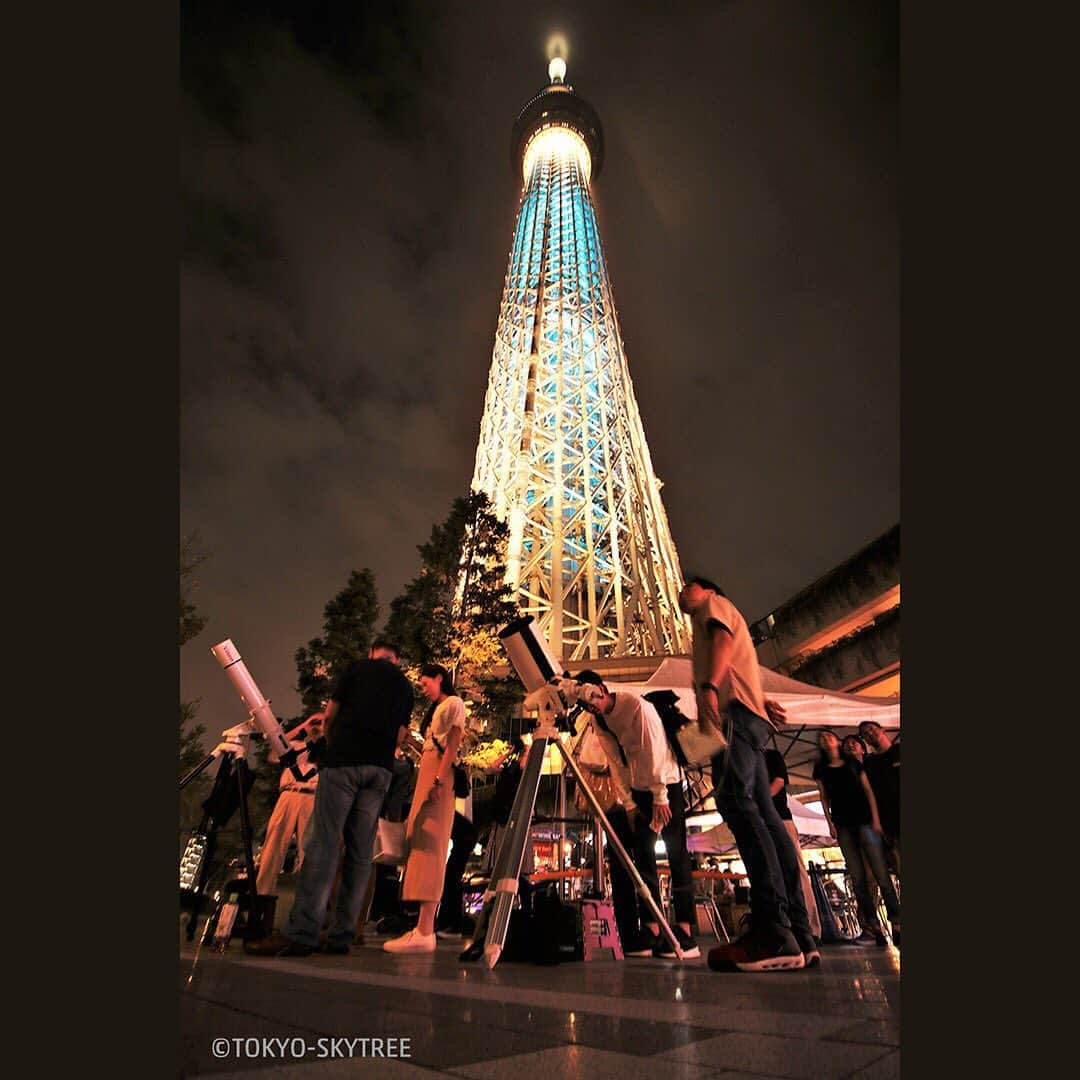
(562, 452)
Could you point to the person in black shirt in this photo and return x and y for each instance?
(854, 749)
(851, 810)
(776, 767)
(883, 769)
(366, 720)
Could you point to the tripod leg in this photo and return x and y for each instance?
(198, 770)
(365, 911)
(504, 878)
(208, 828)
(599, 877)
(624, 858)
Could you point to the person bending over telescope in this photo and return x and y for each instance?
(632, 735)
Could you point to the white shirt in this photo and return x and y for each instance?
(449, 714)
(637, 728)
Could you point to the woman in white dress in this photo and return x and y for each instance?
(432, 816)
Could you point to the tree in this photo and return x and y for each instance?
(191, 747)
(452, 610)
(191, 624)
(348, 628)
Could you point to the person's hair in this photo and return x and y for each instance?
(868, 724)
(705, 583)
(823, 755)
(588, 677)
(852, 738)
(437, 671)
(385, 643)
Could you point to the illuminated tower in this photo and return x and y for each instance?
(562, 452)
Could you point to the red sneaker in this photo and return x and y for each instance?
(772, 949)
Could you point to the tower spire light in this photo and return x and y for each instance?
(557, 70)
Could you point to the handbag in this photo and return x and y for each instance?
(462, 787)
(699, 748)
(692, 747)
(391, 845)
(604, 790)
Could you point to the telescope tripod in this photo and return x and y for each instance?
(494, 921)
(196, 863)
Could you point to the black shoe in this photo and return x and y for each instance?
(643, 944)
(686, 941)
(277, 945)
(473, 952)
(766, 949)
(866, 938)
(880, 940)
(334, 948)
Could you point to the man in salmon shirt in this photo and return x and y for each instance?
(727, 684)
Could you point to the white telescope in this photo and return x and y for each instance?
(262, 716)
(530, 654)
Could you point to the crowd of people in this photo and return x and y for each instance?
(364, 772)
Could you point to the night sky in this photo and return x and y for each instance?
(347, 209)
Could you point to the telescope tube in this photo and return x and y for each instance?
(227, 655)
(529, 654)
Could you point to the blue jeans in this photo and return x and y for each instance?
(741, 790)
(347, 803)
(856, 841)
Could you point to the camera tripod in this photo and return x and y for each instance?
(232, 782)
(494, 921)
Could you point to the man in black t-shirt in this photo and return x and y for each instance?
(776, 768)
(883, 771)
(366, 720)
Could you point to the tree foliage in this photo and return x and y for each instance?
(191, 624)
(452, 610)
(348, 628)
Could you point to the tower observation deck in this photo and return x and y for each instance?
(562, 452)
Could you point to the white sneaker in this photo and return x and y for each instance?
(411, 942)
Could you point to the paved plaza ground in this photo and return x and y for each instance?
(599, 1020)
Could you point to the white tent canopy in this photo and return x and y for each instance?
(811, 824)
(805, 705)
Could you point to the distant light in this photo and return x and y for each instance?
(661, 847)
(557, 70)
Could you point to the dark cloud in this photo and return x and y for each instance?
(347, 212)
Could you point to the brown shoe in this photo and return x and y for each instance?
(277, 945)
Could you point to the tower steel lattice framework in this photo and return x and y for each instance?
(562, 452)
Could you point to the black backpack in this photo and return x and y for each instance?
(666, 703)
(555, 931)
